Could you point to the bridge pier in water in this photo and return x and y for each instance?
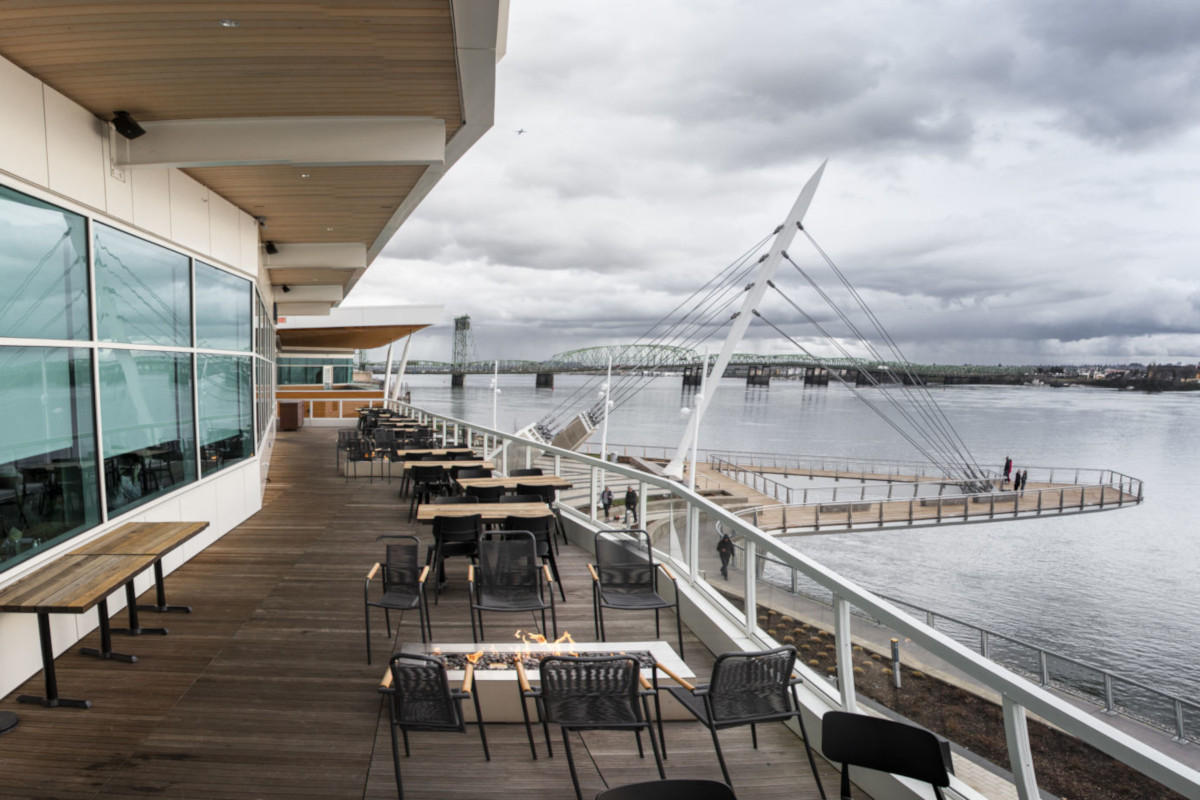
(545, 380)
(816, 376)
(757, 375)
(692, 375)
(457, 379)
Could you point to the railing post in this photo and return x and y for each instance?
(557, 464)
(1102, 495)
(1020, 755)
(528, 456)
(845, 663)
(794, 582)
(984, 648)
(642, 505)
(750, 590)
(1179, 737)
(1110, 706)
(594, 492)
(1043, 668)
(504, 457)
(1040, 493)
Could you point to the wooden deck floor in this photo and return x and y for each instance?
(264, 691)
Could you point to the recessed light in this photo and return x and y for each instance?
(229, 23)
(329, 229)
(305, 175)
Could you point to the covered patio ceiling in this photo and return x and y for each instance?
(329, 121)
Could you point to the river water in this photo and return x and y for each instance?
(1115, 589)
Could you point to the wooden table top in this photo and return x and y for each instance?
(137, 538)
(491, 512)
(430, 451)
(553, 481)
(72, 584)
(468, 462)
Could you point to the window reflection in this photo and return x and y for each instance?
(48, 487)
(143, 291)
(146, 409)
(222, 309)
(226, 415)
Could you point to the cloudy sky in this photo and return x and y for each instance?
(1012, 182)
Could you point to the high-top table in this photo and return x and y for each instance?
(71, 584)
(145, 538)
(552, 481)
(490, 512)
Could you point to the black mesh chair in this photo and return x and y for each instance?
(345, 437)
(746, 689)
(453, 537)
(472, 472)
(509, 579)
(427, 482)
(588, 694)
(542, 529)
(360, 451)
(524, 472)
(462, 456)
(420, 699)
(403, 585)
(887, 746)
(519, 498)
(625, 578)
(671, 789)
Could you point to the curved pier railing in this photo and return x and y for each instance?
(690, 519)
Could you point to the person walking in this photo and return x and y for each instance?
(606, 500)
(1024, 478)
(725, 551)
(631, 505)
(1007, 468)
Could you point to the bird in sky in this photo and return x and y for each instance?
(522, 130)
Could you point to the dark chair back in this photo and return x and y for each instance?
(428, 475)
(590, 691)
(887, 746)
(519, 498)
(486, 494)
(458, 529)
(423, 700)
(453, 500)
(462, 456)
(524, 472)
(542, 529)
(547, 493)
(624, 559)
(673, 789)
(385, 437)
(404, 563)
(471, 472)
(752, 687)
(360, 450)
(509, 565)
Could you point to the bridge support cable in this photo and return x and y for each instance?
(927, 406)
(887, 419)
(946, 455)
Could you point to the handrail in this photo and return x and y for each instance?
(1019, 696)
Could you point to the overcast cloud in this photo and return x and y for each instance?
(1008, 182)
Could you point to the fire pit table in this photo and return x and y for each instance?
(496, 675)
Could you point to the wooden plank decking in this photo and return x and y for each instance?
(264, 691)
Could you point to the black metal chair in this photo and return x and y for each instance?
(519, 498)
(588, 694)
(543, 531)
(403, 585)
(625, 578)
(670, 789)
(549, 496)
(887, 746)
(509, 579)
(746, 689)
(472, 472)
(453, 537)
(486, 494)
(420, 699)
(427, 482)
(524, 472)
(359, 451)
(345, 437)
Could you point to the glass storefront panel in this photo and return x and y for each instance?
(224, 313)
(226, 411)
(48, 483)
(146, 413)
(43, 270)
(143, 291)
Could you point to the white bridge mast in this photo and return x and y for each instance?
(741, 320)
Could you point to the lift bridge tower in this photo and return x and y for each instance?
(464, 350)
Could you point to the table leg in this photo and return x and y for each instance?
(160, 592)
(8, 721)
(51, 700)
(134, 628)
(106, 651)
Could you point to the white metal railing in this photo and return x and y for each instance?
(1019, 696)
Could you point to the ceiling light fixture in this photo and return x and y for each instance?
(271, 248)
(229, 23)
(305, 175)
(286, 288)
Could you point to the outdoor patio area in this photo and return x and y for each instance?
(264, 690)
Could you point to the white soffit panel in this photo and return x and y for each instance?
(23, 134)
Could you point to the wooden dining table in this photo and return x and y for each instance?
(552, 481)
(466, 462)
(490, 512)
(413, 452)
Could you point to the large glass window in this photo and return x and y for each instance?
(43, 270)
(226, 395)
(143, 291)
(146, 413)
(295, 371)
(48, 486)
(223, 309)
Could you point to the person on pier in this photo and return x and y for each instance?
(631, 505)
(1007, 468)
(606, 500)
